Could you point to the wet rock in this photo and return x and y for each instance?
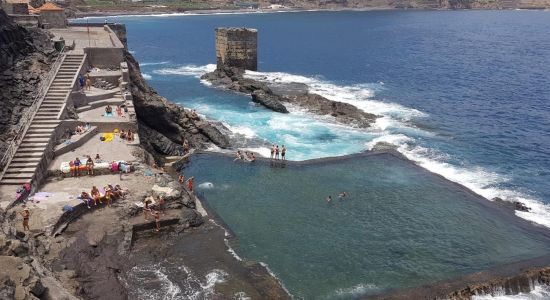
(514, 205)
(190, 218)
(268, 100)
(163, 124)
(276, 96)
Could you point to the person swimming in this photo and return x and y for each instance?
(342, 195)
(329, 199)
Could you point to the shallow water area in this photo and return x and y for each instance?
(400, 226)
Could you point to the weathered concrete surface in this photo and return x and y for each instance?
(237, 47)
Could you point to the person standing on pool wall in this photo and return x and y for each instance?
(283, 152)
(277, 152)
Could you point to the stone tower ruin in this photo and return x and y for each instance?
(237, 47)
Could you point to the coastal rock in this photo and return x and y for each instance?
(18, 248)
(7, 288)
(514, 205)
(276, 95)
(163, 125)
(168, 193)
(268, 100)
(190, 218)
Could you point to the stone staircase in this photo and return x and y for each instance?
(39, 137)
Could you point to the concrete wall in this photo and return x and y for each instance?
(53, 19)
(15, 8)
(104, 57)
(120, 32)
(26, 20)
(237, 47)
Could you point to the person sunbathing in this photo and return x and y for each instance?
(130, 136)
(86, 198)
(122, 134)
(109, 195)
(146, 208)
(90, 165)
(117, 193)
(96, 195)
(108, 109)
(121, 191)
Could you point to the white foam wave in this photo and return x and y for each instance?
(540, 292)
(187, 70)
(206, 185)
(191, 14)
(153, 63)
(242, 130)
(355, 291)
(277, 278)
(359, 95)
(146, 76)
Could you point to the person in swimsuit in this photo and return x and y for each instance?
(162, 204)
(342, 195)
(181, 179)
(272, 151)
(96, 195)
(26, 215)
(156, 215)
(77, 164)
(190, 183)
(146, 208)
(277, 152)
(86, 198)
(283, 152)
(329, 199)
(90, 165)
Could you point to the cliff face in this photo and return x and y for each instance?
(164, 125)
(25, 55)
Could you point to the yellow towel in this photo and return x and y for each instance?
(108, 136)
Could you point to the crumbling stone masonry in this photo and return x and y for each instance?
(237, 47)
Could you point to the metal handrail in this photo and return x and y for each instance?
(27, 117)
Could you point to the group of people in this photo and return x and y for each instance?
(275, 151)
(119, 110)
(85, 81)
(80, 129)
(108, 195)
(126, 135)
(154, 210)
(181, 180)
(245, 155)
(341, 196)
(89, 163)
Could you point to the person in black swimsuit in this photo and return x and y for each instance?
(283, 152)
(277, 152)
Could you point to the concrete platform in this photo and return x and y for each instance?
(97, 36)
(97, 115)
(109, 151)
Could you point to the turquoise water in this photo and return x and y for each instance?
(400, 227)
(463, 93)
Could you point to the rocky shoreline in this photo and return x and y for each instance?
(278, 97)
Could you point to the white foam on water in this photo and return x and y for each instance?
(353, 292)
(152, 63)
(191, 14)
(146, 76)
(187, 70)
(206, 185)
(393, 127)
(262, 151)
(242, 130)
(277, 278)
(540, 292)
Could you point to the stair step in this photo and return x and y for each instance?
(31, 150)
(44, 118)
(32, 145)
(24, 165)
(36, 130)
(47, 109)
(45, 121)
(37, 154)
(13, 170)
(26, 160)
(43, 126)
(37, 140)
(24, 175)
(13, 181)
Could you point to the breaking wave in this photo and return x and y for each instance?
(395, 126)
(540, 292)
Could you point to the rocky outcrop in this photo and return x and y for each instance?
(165, 125)
(275, 97)
(25, 55)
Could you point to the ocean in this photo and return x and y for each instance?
(463, 94)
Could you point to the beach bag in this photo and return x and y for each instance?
(114, 167)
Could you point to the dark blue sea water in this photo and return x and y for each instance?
(465, 94)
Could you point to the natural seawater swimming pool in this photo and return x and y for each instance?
(400, 227)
